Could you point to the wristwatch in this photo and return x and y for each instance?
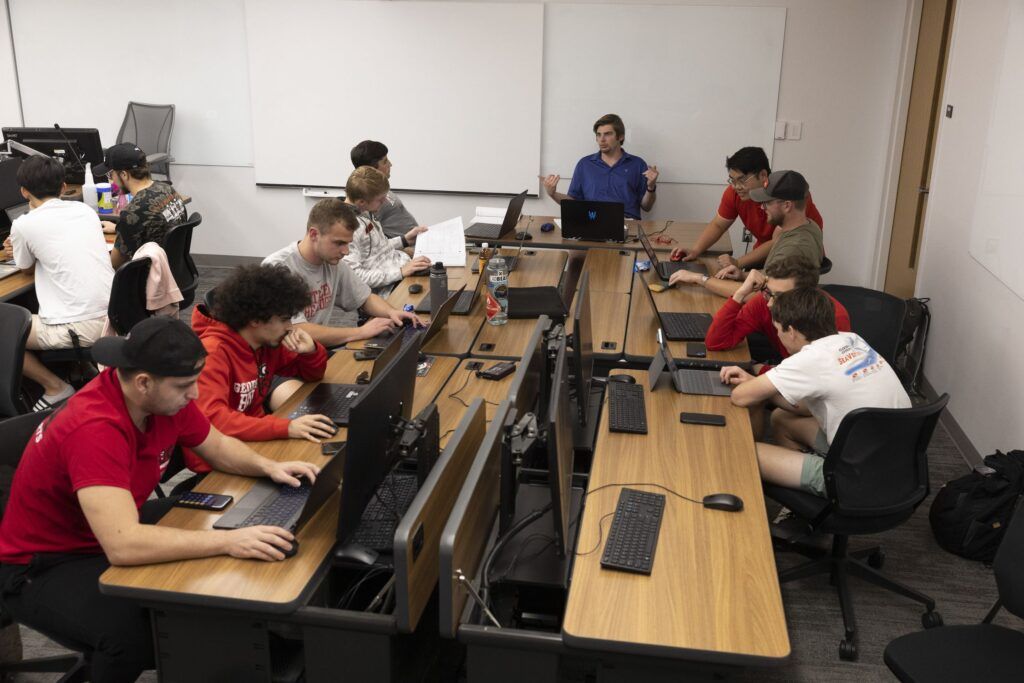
(652, 189)
(704, 278)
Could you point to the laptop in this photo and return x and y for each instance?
(662, 268)
(437, 323)
(335, 400)
(490, 231)
(686, 381)
(593, 221)
(16, 211)
(464, 304)
(288, 507)
(678, 326)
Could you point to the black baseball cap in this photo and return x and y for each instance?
(786, 185)
(160, 345)
(122, 157)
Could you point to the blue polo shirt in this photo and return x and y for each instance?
(594, 180)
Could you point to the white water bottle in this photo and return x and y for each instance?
(89, 188)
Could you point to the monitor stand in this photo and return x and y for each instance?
(584, 436)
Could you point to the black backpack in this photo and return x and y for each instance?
(969, 515)
(912, 341)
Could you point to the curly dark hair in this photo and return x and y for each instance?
(257, 293)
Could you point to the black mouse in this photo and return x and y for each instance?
(291, 551)
(524, 235)
(624, 379)
(354, 554)
(415, 288)
(723, 501)
(547, 227)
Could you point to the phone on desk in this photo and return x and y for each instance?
(367, 354)
(332, 447)
(709, 419)
(696, 350)
(198, 500)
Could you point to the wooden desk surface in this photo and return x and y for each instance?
(268, 586)
(611, 270)
(467, 386)
(21, 282)
(608, 314)
(713, 592)
(642, 329)
(684, 233)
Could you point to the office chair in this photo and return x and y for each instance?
(875, 316)
(149, 126)
(971, 652)
(178, 245)
(876, 474)
(128, 295)
(14, 435)
(15, 323)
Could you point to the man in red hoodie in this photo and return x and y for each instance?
(744, 314)
(250, 341)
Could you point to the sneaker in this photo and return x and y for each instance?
(783, 516)
(48, 401)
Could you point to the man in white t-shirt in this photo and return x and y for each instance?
(827, 375)
(64, 242)
(317, 260)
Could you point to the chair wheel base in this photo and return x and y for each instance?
(876, 559)
(847, 650)
(931, 619)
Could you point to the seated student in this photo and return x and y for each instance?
(155, 208)
(611, 174)
(64, 243)
(78, 501)
(317, 260)
(784, 200)
(377, 260)
(827, 375)
(748, 311)
(747, 168)
(250, 343)
(393, 217)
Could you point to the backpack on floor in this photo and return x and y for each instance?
(912, 341)
(969, 515)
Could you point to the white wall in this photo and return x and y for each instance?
(841, 66)
(977, 322)
(10, 112)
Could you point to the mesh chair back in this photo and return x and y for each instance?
(149, 126)
(15, 323)
(1007, 565)
(14, 435)
(875, 316)
(128, 295)
(178, 245)
(878, 462)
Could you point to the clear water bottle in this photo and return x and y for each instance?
(89, 188)
(497, 291)
(438, 286)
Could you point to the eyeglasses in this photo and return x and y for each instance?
(768, 294)
(738, 182)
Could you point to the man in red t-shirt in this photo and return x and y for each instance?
(747, 168)
(77, 497)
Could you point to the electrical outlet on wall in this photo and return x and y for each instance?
(794, 130)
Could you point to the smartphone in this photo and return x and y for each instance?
(198, 500)
(497, 371)
(332, 447)
(696, 349)
(374, 346)
(367, 354)
(709, 419)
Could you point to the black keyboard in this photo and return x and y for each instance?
(282, 508)
(703, 382)
(626, 410)
(336, 407)
(633, 536)
(384, 511)
(665, 269)
(685, 326)
(462, 304)
(698, 364)
(484, 231)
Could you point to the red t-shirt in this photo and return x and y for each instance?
(753, 216)
(90, 441)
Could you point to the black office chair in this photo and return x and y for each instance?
(876, 474)
(15, 323)
(14, 435)
(826, 265)
(972, 652)
(149, 126)
(128, 295)
(875, 316)
(178, 245)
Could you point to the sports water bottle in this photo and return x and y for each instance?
(497, 291)
(438, 287)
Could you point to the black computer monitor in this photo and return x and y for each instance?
(560, 451)
(73, 146)
(529, 388)
(582, 348)
(371, 433)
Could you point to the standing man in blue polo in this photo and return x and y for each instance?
(611, 175)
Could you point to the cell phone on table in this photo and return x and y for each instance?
(709, 419)
(696, 349)
(367, 354)
(197, 500)
(332, 447)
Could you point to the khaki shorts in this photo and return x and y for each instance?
(57, 337)
(812, 477)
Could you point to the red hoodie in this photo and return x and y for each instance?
(231, 392)
(734, 322)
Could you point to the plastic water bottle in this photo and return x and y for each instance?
(438, 286)
(497, 291)
(89, 188)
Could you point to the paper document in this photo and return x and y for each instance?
(444, 242)
(489, 215)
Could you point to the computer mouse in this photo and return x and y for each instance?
(676, 257)
(415, 288)
(547, 227)
(523, 236)
(723, 501)
(624, 379)
(293, 550)
(354, 554)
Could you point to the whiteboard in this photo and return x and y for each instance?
(453, 89)
(79, 64)
(693, 84)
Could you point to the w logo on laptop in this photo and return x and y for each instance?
(592, 215)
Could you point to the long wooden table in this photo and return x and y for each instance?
(23, 281)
